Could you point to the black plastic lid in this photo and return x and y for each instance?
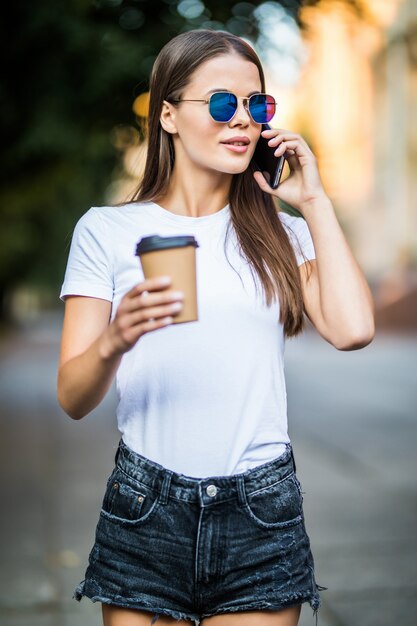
(155, 242)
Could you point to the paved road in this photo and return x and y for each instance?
(353, 424)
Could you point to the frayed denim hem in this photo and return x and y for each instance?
(139, 604)
(293, 600)
(316, 602)
(313, 600)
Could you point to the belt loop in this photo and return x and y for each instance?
(116, 456)
(293, 460)
(241, 493)
(163, 497)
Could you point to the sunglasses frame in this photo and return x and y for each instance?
(246, 104)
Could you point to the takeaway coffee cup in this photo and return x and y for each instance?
(174, 257)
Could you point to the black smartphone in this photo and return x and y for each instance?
(265, 160)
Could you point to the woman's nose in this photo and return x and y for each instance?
(242, 114)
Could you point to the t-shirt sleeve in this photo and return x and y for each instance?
(300, 237)
(89, 268)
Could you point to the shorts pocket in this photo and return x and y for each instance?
(276, 506)
(126, 500)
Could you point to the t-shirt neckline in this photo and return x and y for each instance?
(204, 220)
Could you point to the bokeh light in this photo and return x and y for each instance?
(190, 9)
(141, 105)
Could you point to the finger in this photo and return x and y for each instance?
(148, 299)
(131, 325)
(300, 149)
(136, 332)
(260, 179)
(151, 284)
(270, 132)
(274, 141)
(276, 135)
(154, 284)
(153, 313)
(287, 137)
(151, 325)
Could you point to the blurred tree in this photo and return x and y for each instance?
(73, 71)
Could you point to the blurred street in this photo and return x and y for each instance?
(353, 424)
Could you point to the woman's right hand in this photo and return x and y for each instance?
(148, 306)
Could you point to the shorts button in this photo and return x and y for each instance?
(211, 490)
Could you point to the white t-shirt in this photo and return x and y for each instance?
(204, 398)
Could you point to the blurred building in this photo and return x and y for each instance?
(395, 146)
(357, 100)
(393, 198)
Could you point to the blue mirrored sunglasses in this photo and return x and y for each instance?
(223, 106)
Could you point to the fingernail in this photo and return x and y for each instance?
(164, 280)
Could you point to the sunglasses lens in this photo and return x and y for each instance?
(222, 106)
(262, 108)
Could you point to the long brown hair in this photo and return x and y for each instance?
(261, 236)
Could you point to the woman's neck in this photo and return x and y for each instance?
(196, 194)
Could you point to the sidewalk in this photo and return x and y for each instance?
(353, 425)
(354, 428)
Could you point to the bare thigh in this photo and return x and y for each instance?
(285, 617)
(118, 616)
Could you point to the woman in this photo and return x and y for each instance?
(202, 516)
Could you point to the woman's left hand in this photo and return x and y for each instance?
(303, 185)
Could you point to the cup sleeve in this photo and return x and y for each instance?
(89, 268)
(300, 237)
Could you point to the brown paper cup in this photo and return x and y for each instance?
(174, 257)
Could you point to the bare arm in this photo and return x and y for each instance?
(92, 347)
(337, 297)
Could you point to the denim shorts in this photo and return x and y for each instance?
(192, 547)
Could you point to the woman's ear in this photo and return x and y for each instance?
(167, 118)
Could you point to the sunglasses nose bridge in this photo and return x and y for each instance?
(245, 104)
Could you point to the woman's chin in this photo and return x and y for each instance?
(235, 169)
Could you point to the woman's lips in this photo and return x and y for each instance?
(238, 143)
(235, 148)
